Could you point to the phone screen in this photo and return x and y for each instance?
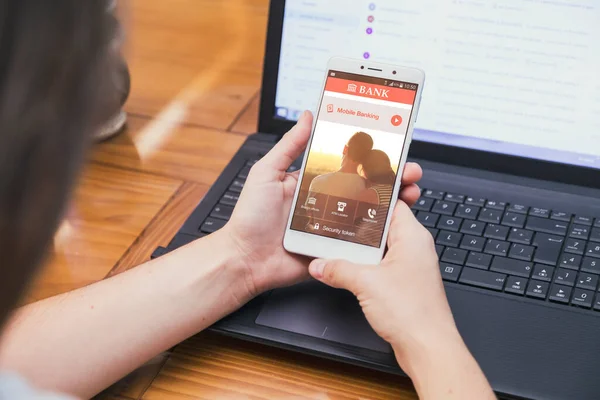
(354, 157)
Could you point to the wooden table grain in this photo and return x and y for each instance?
(196, 68)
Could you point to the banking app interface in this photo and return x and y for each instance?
(353, 160)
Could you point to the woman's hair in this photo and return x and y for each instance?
(378, 168)
(55, 65)
(359, 146)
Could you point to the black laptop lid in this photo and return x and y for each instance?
(513, 88)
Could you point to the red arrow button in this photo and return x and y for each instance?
(396, 120)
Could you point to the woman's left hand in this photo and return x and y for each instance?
(258, 224)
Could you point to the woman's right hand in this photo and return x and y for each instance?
(404, 300)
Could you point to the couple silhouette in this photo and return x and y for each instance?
(366, 176)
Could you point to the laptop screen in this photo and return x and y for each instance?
(513, 77)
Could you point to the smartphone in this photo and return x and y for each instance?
(351, 173)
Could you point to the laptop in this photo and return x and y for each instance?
(509, 138)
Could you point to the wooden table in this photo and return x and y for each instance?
(196, 67)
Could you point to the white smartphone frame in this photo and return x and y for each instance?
(317, 246)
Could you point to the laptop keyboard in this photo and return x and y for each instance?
(517, 249)
(549, 255)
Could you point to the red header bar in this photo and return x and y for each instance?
(369, 90)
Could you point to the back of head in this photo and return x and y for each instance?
(359, 146)
(55, 61)
(377, 168)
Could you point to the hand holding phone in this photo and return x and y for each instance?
(351, 174)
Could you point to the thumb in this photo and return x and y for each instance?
(338, 274)
(289, 148)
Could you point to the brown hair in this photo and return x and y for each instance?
(55, 62)
(359, 146)
(378, 168)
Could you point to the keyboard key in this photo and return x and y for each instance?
(570, 261)
(586, 280)
(521, 252)
(455, 256)
(450, 272)
(237, 185)
(476, 201)
(593, 250)
(511, 267)
(583, 220)
(444, 208)
(597, 304)
(451, 239)
(222, 211)
(497, 247)
(579, 232)
(547, 226)
(428, 219)
(159, 252)
(484, 279)
(518, 209)
(537, 289)
(542, 273)
(230, 199)
(424, 204)
(575, 246)
(548, 248)
(590, 265)
(514, 220)
(439, 250)
(539, 212)
(475, 243)
(560, 294)
(468, 212)
(582, 298)
(449, 223)
(434, 232)
(494, 231)
(473, 228)
(456, 198)
(479, 260)
(565, 277)
(597, 223)
(244, 172)
(561, 216)
(432, 194)
(489, 215)
(595, 235)
(520, 236)
(495, 205)
(212, 225)
(516, 285)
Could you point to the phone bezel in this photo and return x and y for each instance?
(312, 245)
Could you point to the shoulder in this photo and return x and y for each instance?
(369, 196)
(320, 179)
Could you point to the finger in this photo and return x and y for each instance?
(403, 220)
(410, 194)
(338, 274)
(289, 148)
(412, 174)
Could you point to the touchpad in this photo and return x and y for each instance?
(316, 310)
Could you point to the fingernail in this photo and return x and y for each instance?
(316, 268)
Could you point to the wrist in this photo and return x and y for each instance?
(213, 265)
(417, 353)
